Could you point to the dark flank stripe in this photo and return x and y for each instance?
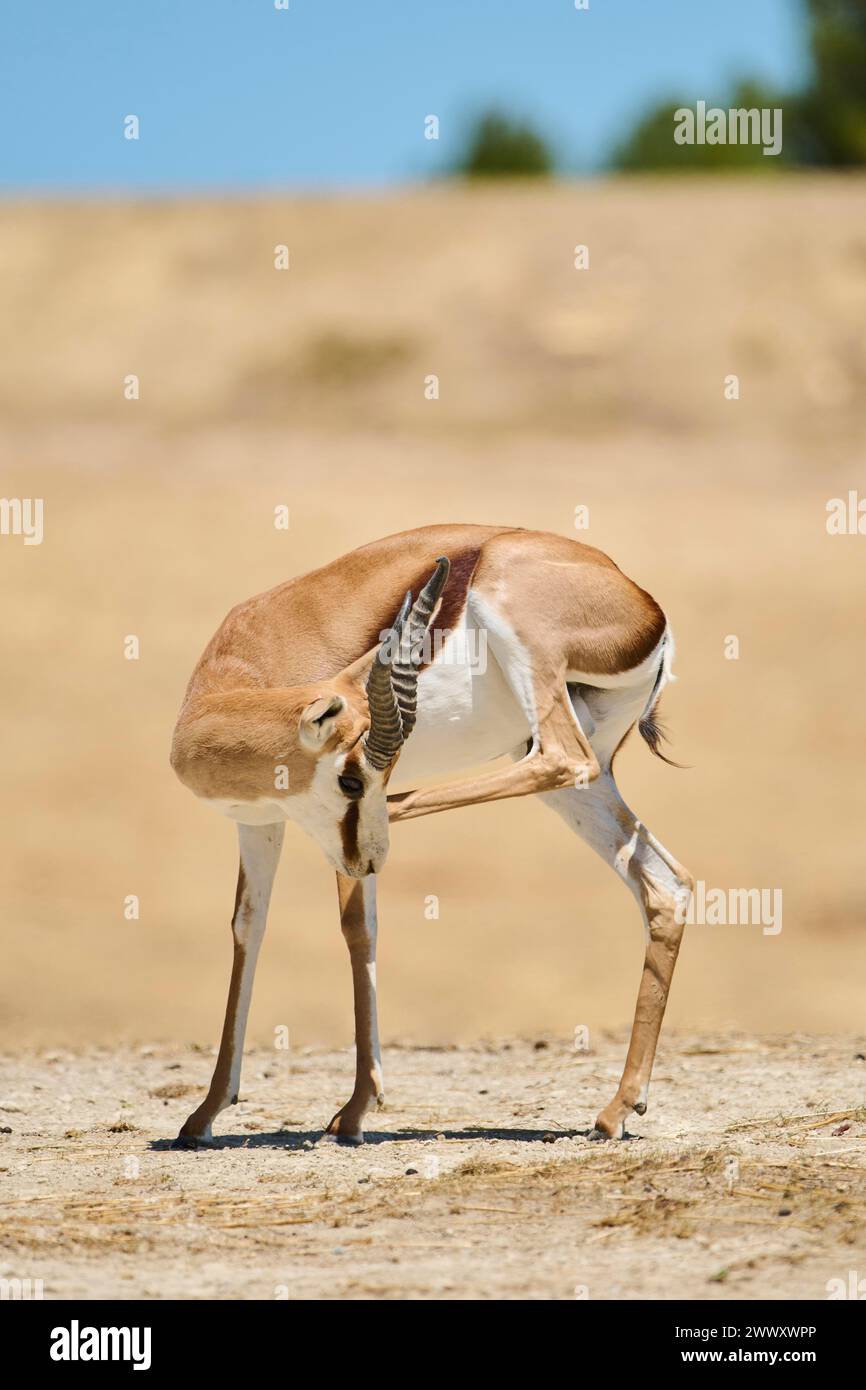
(453, 596)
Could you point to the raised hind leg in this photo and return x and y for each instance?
(558, 752)
(662, 888)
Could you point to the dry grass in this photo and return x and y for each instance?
(703, 1205)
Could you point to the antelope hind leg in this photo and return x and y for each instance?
(662, 888)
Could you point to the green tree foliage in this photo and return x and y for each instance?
(825, 124)
(830, 116)
(651, 145)
(498, 147)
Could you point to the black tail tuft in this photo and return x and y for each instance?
(652, 733)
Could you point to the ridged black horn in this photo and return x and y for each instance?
(407, 662)
(385, 735)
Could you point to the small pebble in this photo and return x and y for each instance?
(411, 1172)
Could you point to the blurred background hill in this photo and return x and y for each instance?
(601, 387)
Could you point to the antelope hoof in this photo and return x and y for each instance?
(193, 1141)
(597, 1133)
(348, 1140)
(610, 1124)
(341, 1131)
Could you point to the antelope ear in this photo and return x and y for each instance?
(317, 721)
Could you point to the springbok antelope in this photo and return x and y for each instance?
(313, 702)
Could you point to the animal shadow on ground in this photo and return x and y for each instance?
(304, 1139)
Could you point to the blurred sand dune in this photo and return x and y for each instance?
(558, 389)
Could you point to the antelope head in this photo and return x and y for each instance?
(321, 754)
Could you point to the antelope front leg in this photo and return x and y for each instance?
(358, 921)
(260, 847)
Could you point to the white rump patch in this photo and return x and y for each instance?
(662, 652)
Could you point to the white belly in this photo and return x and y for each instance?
(466, 712)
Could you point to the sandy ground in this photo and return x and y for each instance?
(477, 1181)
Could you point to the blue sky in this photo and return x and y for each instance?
(235, 95)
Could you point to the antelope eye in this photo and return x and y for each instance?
(351, 786)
